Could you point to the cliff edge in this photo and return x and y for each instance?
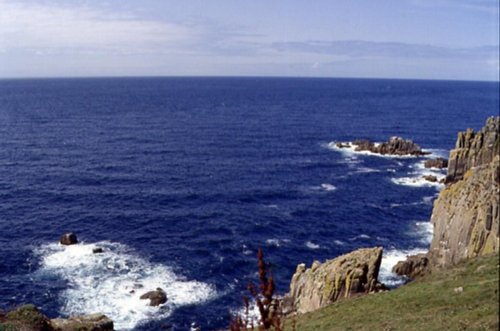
(466, 213)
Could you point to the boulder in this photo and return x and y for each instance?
(91, 322)
(324, 283)
(414, 266)
(68, 239)
(395, 146)
(439, 163)
(156, 297)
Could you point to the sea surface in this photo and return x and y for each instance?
(181, 180)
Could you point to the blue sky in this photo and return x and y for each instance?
(425, 39)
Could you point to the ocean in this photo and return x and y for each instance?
(181, 180)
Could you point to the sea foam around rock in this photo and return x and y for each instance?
(112, 282)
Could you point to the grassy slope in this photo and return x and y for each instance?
(426, 304)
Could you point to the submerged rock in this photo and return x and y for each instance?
(68, 239)
(156, 297)
(395, 146)
(97, 250)
(324, 283)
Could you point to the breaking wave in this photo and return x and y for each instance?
(111, 282)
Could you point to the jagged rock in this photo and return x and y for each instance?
(395, 146)
(27, 318)
(474, 149)
(414, 266)
(439, 163)
(91, 322)
(68, 239)
(324, 283)
(430, 178)
(97, 250)
(466, 214)
(156, 297)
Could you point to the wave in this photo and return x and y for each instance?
(389, 260)
(417, 181)
(425, 230)
(312, 245)
(361, 236)
(112, 282)
(416, 178)
(277, 242)
(328, 187)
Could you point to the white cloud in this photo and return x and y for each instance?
(49, 29)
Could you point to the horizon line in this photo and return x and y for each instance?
(243, 76)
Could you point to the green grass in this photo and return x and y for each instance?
(426, 304)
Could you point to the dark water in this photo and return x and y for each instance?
(182, 179)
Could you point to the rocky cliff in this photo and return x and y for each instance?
(466, 213)
(324, 283)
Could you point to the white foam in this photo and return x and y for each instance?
(312, 245)
(328, 187)
(112, 282)
(366, 170)
(361, 236)
(277, 242)
(339, 242)
(425, 230)
(416, 178)
(389, 260)
(417, 181)
(436, 152)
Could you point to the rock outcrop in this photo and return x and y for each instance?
(68, 239)
(473, 149)
(466, 213)
(413, 267)
(29, 318)
(156, 297)
(324, 283)
(395, 146)
(26, 317)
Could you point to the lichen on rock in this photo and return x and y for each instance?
(324, 283)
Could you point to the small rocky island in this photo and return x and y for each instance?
(395, 146)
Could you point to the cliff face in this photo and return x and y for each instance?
(466, 213)
(473, 149)
(325, 283)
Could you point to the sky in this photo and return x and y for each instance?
(422, 39)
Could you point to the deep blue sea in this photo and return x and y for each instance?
(180, 180)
